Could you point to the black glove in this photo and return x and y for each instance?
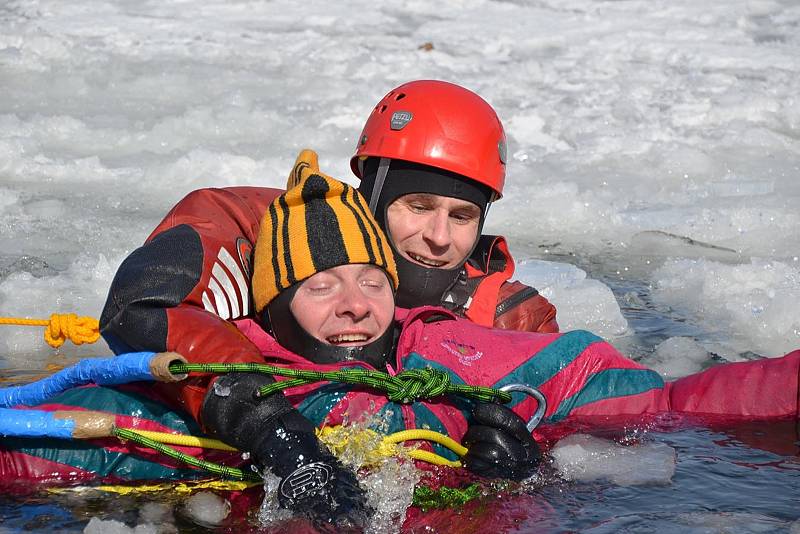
(313, 482)
(499, 445)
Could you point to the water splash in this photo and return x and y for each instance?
(385, 472)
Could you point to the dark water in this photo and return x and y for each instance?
(743, 479)
(722, 483)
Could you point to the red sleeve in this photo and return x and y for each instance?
(754, 389)
(533, 314)
(178, 291)
(226, 222)
(500, 303)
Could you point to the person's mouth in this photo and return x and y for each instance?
(349, 339)
(427, 262)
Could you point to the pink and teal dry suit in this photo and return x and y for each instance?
(583, 378)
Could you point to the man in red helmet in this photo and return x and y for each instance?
(431, 159)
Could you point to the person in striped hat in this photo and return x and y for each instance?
(323, 286)
(322, 234)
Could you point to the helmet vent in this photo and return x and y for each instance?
(382, 108)
(400, 96)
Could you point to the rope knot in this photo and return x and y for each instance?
(415, 384)
(65, 326)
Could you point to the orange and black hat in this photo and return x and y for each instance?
(317, 224)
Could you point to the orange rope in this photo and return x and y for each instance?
(62, 326)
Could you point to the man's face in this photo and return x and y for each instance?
(432, 230)
(348, 306)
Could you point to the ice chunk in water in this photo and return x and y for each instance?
(581, 457)
(582, 303)
(756, 302)
(206, 508)
(111, 526)
(541, 274)
(676, 357)
(221, 391)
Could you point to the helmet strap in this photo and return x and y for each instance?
(380, 178)
(486, 211)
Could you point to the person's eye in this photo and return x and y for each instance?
(418, 207)
(463, 217)
(373, 284)
(318, 289)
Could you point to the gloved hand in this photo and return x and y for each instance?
(499, 445)
(313, 482)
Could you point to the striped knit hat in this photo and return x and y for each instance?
(317, 224)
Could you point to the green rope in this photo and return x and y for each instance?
(405, 387)
(218, 469)
(444, 497)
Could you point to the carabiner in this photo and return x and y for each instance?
(541, 407)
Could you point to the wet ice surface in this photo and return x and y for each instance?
(653, 156)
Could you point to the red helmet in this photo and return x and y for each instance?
(438, 124)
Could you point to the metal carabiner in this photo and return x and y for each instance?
(541, 407)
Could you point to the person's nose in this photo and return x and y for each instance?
(353, 303)
(437, 229)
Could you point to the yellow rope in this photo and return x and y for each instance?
(60, 327)
(383, 446)
(432, 458)
(179, 487)
(386, 447)
(427, 435)
(184, 440)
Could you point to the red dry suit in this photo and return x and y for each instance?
(181, 289)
